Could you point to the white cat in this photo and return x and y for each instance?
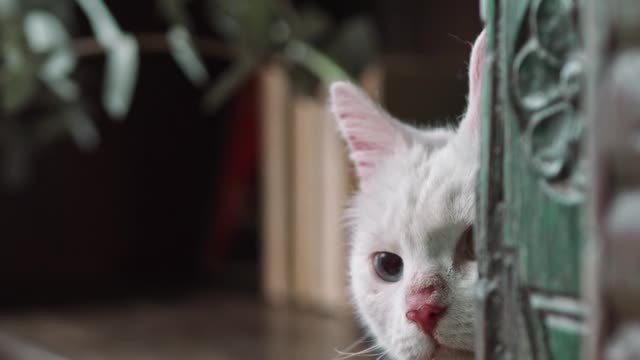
(412, 263)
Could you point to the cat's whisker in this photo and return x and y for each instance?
(382, 355)
(370, 351)
(355, 343)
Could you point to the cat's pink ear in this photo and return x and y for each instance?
(371, 134)
(470, 125)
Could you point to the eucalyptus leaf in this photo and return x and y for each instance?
(63, 10)
(71, 120)
(55, 73)
(82, 130)
(122, 54)
(36, 48)
(246, 22)
(314, 61)
(102, 22)
(225, 19)
(19, 83)
(186, 56)
(121, 74)
(44, 31)
(46, 34)
(226, 85)
(8, 8)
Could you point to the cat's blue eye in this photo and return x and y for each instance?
(388, 266)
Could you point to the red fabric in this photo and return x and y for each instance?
(239, 172)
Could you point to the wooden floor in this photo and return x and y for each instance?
(208, 327)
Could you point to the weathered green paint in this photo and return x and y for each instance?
(531, 185)
(489, 196)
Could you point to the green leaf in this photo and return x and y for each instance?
(314, 61)
(226, 17)
(45, 33)
(102, 22)
(226, 85)
(122, 58)
(186, 56)
(82, 130)
(245, 22)
(70, 119)
(19, 84)
(8, 8)
(121, 75)
(55, 73)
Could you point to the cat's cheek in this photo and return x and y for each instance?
(364, 280)
(469, 272)
(456, 330)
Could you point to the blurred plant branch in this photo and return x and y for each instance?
(40, 100)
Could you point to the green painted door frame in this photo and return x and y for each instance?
(559, 188)
(532, 194)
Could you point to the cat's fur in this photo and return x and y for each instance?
(415, 199)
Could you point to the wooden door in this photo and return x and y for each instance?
(532, 194)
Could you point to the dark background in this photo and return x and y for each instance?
(149, 212)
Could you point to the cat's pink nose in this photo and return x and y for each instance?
(425, 306)
(426, 317)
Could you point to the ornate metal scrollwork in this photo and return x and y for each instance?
(547, 85)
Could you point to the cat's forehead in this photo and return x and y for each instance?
(419, 194)
(428, 179)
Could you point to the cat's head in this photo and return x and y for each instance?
(412, 263)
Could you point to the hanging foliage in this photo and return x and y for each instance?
(41, 102)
